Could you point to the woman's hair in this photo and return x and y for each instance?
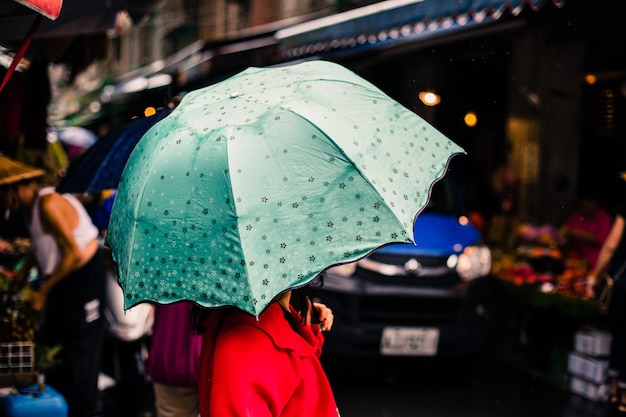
(300, 295)
(299, 298)
(198, 316)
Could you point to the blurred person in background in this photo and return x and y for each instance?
(69, 290)
(127, 336)
(612, 260)
(586, 229)
(173, 360)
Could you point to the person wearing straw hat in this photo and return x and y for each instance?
(12, 171)
(12, 226)
(70, 291)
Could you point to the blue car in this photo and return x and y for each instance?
(431, 299)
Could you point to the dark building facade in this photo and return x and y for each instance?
(522, 67)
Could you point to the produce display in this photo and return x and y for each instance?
(17, 320)
(14, 248)
(547, 268)
(540, 261)
(20, 357)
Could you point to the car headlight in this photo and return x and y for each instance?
(472, 263)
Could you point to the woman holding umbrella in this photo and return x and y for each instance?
(251, 188)
(70, 290)
(266, 365)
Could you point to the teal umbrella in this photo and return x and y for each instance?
(259, 183)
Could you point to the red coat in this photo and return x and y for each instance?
(262, 367)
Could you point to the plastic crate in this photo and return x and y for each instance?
(17, 357)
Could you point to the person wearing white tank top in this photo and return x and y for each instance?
(70, 290)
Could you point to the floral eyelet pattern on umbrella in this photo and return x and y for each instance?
(259, 183)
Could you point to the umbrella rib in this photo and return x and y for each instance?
(236, 214)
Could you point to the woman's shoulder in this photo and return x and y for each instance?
(241, 338)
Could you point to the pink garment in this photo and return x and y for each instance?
(599, 224)
(175, 351)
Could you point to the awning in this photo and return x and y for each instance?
(187, 65)
(75, 16)
(123, 92)
(186, 62)
(392, 22)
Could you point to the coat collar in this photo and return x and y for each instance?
(274, 323)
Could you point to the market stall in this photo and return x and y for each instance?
(541, 302)
(544, 273)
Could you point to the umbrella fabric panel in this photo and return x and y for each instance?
(403, 182)
(358, 116)
(306, 188)
(175, 240)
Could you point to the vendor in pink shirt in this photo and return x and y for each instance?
(586, 229)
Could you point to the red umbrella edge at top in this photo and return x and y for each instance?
(49, 8)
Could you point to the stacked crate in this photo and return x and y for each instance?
(17, 347)
(24, 392)
(17, 364)
(588, 364)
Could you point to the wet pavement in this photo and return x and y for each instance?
(407, 387)
(465, 387)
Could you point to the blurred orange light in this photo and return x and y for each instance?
(590, 79)
(149, 111)
(470, 119)
(429, 98)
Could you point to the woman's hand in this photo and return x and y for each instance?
(590, 282)
(321, 314)
(37, 300)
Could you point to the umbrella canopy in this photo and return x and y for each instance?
(76, 140)
(259, 183)
(100, 167)
(77, 136)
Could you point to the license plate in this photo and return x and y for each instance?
(409, 341)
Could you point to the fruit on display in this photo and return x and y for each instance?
(17, 320)
(540, 265)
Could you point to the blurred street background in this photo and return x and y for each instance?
(533, 90)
